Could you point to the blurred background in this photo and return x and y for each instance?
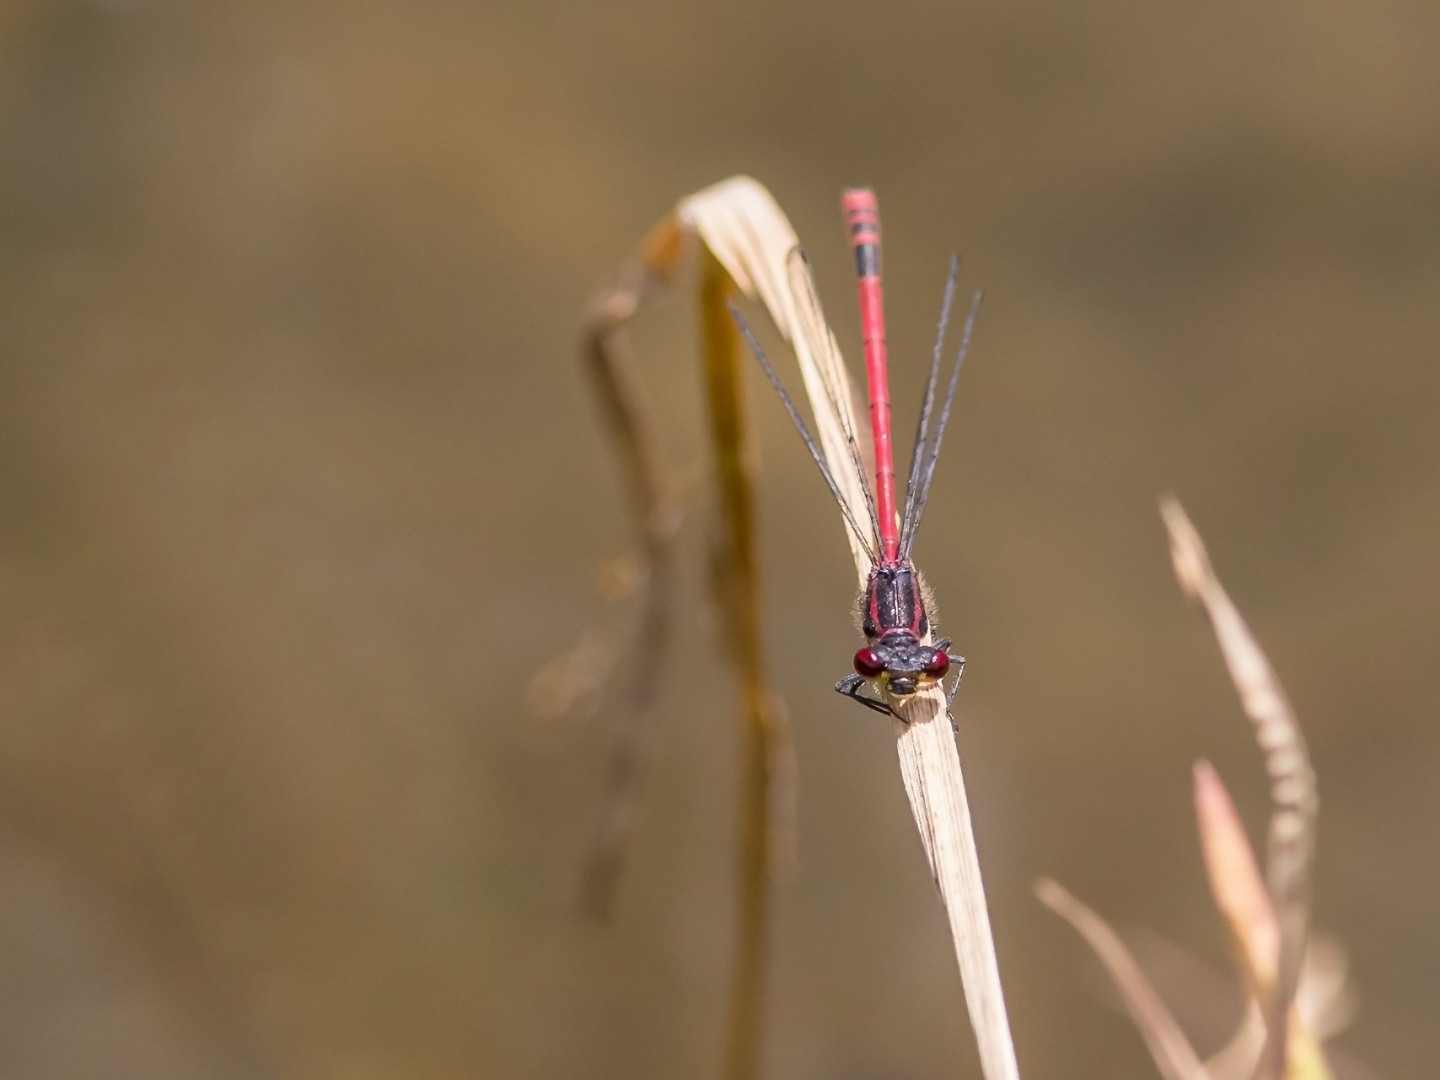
(299, 484)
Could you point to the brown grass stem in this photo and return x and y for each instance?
(656, 516)
(1293, 799)
(737, 587)
(1174, 1056)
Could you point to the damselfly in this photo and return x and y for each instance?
(898, 657)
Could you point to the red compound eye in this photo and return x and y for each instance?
(868, 664)
(937, 665)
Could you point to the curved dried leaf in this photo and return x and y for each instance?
(1241, 896)
(935, 786)
(745, 229)
(1294, 802)
(1174, 1056)
(1235, 881)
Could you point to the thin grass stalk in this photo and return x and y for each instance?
(1294, 803)
(1171, 1050)
(1242, 898)
(935, 785)
(737, 582)
(1268, 919)
(656, 516)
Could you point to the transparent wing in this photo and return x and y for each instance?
(747, 232)
(832, 396)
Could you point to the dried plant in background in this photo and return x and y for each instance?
(746, 249)
(655, 513)
(1292, 999)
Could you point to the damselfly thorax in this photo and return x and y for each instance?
(895, 609)
(895, 622)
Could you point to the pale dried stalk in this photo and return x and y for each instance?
(656, 517)
(1294, 802)
(1237, 1059)
(737, 587)
(736, 584)
(935, 786)
(1173, 1054)
(1269, 927)
(748, 233)
(1235, 880)
(1241, 897)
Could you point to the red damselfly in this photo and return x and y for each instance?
(895, 604)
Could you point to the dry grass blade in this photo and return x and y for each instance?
(1241, 896)
(1294, 803)
(746, 231)
(656, 516)
(935, 785)
(1235, 880)
(737, 581)
(835, 390)
(737, 587)
(1173, 1054)
(1237, 1059)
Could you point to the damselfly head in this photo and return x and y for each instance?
(901, 664)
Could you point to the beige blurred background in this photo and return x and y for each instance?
(299, 484)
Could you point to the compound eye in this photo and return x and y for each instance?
(868, 664)
(937, 665)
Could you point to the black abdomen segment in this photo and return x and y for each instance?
(893, 602)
